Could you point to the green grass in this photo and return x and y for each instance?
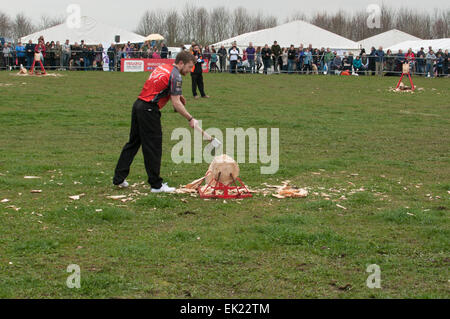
(70, 131)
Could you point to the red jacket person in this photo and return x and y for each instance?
(164, 84)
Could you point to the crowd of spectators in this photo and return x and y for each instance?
(267, 59)
(76, 56)
(309, 60)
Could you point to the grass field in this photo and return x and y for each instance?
(387, 153)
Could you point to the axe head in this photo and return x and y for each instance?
(216, 143)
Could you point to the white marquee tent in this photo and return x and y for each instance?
(90, 30)
(436, 44)
(296, 33)
(386, 39)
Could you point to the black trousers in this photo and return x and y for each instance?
(146, 131)
(197, 80)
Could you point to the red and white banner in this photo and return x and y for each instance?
(148, 65)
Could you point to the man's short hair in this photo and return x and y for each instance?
(184, 57)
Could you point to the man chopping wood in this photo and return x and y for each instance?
(164, 84)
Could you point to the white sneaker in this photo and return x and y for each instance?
(164, 189)
(124, 184)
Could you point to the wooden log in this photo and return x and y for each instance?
(223, 169)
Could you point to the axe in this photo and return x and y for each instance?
(214, 142)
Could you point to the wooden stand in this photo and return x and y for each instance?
(405, 71)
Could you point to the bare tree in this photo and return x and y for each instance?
(240, 21)
(6, 25)
(270, 22)
(48, 21)
(22, 26)
(152, 22)
(202, 22)
(296, 16)
(219, 24)
(172, 21)
(187, 25)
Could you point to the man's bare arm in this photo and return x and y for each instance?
(179, 107)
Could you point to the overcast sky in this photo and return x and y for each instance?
(126, 14)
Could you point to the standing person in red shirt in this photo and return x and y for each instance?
(164, 83)
(40, 48)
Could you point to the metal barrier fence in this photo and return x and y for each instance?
(84, 60)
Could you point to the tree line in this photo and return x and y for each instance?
(193, 23)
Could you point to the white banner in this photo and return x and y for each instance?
(133, 65)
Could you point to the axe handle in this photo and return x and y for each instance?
(206, 135)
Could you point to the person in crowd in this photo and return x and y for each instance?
(266, 54)
(112, 56)
(276, 52)
(207, 54)
(51, 55)
(439, 64)
(390, 63)
(379, 61)
(307, 61)
(259, 62)
(372, 61)
(243, 63)
(284, 58)
(164, 51)
(91, 57)
(233, 57)
(145, 49)
(315, 61)
(98, 60)
(66, 53)
(328, 59)
(251, 55)
(420, 65)
(364, 63)
(29, 50)
(58, 55)
(320, 60)
(291, 54)
(222, 52)
(20, 54)
(214, 58)
(400, 59)
(346, 63)
(337, 64)
(446, 62)
(300, 57)
(7, 56)
(74, 54)
(430, 59)
(197, 73)
(357, 64)
(155, 54)
(191, 49)
(350, 58)
(411, 58)
(280, 61)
